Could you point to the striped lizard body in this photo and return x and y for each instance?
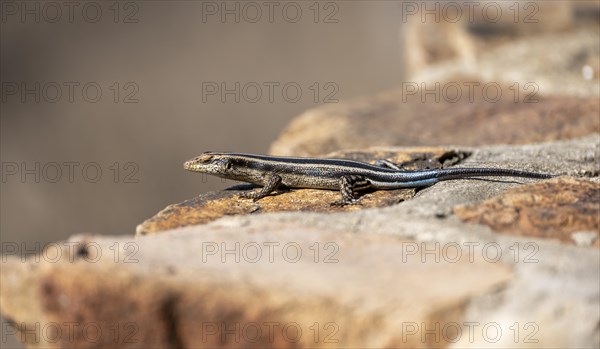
(347, 176)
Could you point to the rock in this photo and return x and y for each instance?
(397, 119)
(18, 279)
(548, 71)
(462, 264)
(194, 290)
(585, 238)
(208, 207)
(407, 275)
(472, 83)
(551, 209)
(438, 201)
(438, 47)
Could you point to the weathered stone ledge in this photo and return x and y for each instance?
(395, 119)
(364, 276)
(438, 201)
(183, 289)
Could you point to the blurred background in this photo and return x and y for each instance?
(150, 68)
(149, 60)
(102, 101)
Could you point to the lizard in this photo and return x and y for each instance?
(347, 176)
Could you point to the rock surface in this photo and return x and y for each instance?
(573, 203)
(397, 118)
(294, 287)
(554, 72)
(506, 263)
(208, 207)
(490, 92)
(363, 279)
(557, 209)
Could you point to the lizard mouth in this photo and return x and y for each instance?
(188, 165)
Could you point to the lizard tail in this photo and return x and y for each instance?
(456, 173)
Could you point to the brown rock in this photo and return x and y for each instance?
(397, 119)
(24, 316)
(168, 291)
(507, 50)
(208, 207)
(550, 209)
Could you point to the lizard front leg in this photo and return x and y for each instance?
(272, 182)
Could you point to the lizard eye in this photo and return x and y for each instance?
(222, 163)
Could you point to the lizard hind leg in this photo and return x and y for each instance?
(348, 187)
(387, 164)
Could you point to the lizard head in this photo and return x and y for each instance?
(209, 162)
(233, 166)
